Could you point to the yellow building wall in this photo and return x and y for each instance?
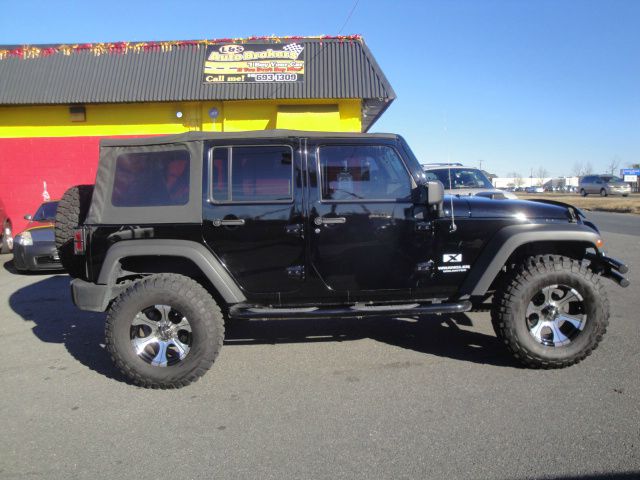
(161, 118)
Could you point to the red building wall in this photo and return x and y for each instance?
(25, 163)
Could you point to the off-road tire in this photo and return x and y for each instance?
(510, 303)
(183, 294)
(7, 238)
(72, 211)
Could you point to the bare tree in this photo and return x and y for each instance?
(580, 169)
(541, 173)
(517, 179)
(613, 165)
(588, 169)
(577, 169)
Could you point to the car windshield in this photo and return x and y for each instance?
(460, 178)
(611, 178)
(46, 211)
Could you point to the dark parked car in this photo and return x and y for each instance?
(181, 234)
(6, 235)
(35, 247)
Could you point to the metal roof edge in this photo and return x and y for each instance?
(260, 134)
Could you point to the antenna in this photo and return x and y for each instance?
(453, 227)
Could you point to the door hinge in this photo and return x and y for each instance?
(296, 271)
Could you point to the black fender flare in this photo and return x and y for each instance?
(498, 250)
(208, 264)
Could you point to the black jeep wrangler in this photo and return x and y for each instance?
(183, 233)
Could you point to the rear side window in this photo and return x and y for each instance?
(260, 174)
(149, 179)
(368, 172)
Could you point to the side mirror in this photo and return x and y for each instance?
(435, 193)
(28, 217)
(430, 194)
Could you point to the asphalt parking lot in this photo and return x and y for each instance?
(388, 399)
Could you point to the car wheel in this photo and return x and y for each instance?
(603, 193)
(164, 331)
(72, 211)
(7, 238)
(625, 194)
(583, 192)
(552, 313)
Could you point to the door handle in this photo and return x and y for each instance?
(329, 220)
(235, 222)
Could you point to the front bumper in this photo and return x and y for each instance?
(39, 256)
(610, 268)
(619, 191)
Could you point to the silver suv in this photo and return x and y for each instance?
(604, 185)
(460, 180)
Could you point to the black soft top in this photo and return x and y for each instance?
(258, 134)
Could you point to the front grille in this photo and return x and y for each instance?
(48, 260)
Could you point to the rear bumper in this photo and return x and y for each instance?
(90, 296)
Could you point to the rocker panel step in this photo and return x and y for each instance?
(243, 311)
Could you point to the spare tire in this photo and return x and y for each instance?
(72, 211)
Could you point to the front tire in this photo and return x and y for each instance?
(603, 193)
(552, 313)
(583, 192)
(164, 331)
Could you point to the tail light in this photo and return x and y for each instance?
(78, 241)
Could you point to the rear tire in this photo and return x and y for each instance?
(552, 312)
(72, 212)
(7, 238)
(164, 331)
(583, 192)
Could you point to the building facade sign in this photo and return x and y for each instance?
(257, 62)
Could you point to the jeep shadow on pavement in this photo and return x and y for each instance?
(82, 333)
(184, 233)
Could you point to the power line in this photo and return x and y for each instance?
(353, 9)
(277, 87)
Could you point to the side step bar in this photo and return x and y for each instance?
(243, 311)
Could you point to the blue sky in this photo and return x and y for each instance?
(514, 84)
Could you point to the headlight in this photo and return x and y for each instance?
(24, 239)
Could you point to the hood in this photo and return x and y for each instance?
(41, 231)
(485, 192)
(481, 207)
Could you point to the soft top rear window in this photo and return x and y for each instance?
(150, 179)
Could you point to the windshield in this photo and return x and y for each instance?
(46, 212)
(460, 178)
(611, 178)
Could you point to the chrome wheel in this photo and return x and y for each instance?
(161, 335)
(555, 315)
